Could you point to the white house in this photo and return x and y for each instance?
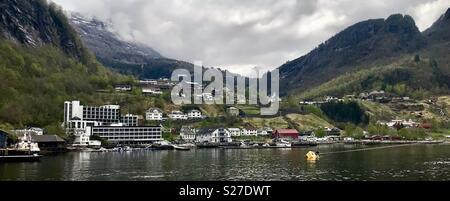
(195, 114)
(123, 88)
(249, 131)
(212, 135)
(265, 131)
(151, 91)
(178, 115)
(407, 124)
(187, 134)
(233, 111)
(32, 131)
(154, 114)
(235, 132)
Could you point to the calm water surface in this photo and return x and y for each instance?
(421, 162)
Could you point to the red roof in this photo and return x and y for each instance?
(287, 131)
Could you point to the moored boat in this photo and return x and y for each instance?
(283, 144)
(20, 158)
(181, 148)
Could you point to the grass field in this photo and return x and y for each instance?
(274, 123)
(308, 122)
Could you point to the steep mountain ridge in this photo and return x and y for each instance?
(42, 64)
(35, 23)
(372, 41)
(106, 45)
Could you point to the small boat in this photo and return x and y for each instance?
(283, 144)
(21, 158)
(181, 148)
(24, 151)
(162, 145)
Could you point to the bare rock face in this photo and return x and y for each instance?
(106, 45)
(35, 22)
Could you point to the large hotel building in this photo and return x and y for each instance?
(106, 122)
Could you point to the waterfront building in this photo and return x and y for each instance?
(195, 114)
(235, 132)
(333, 131)
(307, 136)
(214, 135)
(130, 120)
(187, 134)
(177, 115)
(265, 131)
(51, 143)
(3, 139)
(79, 119)
(119, 134)
(249, 131)
(154, 114)
(286, 134)
(107, 114)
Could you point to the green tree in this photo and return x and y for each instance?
(320, 132)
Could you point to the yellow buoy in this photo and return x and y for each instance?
(312, 156)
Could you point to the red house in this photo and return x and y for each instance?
(286, 133)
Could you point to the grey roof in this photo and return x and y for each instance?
(187, 131)
(153, 109)
(207, 131)
(47, 138)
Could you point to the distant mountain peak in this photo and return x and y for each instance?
(439, 31)
(100, 38)
(353, 48)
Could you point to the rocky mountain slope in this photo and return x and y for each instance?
(124, 57)
(380, 40)
(106, 45)
(34, 23)
(42, 64)
(394, 41)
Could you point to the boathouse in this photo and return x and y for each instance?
(49, 143)
(286, 133)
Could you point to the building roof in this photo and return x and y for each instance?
(187, 131)
(250, 128)
(47, 138)
(177, 112)
(2, 132)
(194, 110)
(207, 131)
(287, 131)
(152, 110)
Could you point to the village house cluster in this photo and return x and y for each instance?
(156, 114)
(373, 96)
(221, 135)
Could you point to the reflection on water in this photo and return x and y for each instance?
(424, 162)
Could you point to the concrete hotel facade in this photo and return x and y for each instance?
(140, 135)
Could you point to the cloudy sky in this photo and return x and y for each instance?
(240, 34)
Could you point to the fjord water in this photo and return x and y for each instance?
(416, 162)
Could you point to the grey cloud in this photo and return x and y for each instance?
(238, 34)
